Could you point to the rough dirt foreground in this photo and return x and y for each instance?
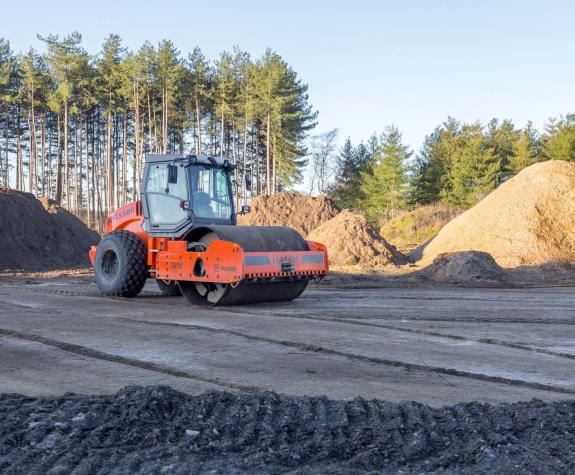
(160, 430)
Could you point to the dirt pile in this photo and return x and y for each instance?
(300, 212)
(528, 220)
(351, 240)
(159, 430)
(410, 229)
(464, 267)
(37, 235)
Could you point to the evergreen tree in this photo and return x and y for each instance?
(559, 140)
(384, 188)
(350, 163)
(501, 138)
(65, 59)
(475, 170)
(200, 87)
(525, 150)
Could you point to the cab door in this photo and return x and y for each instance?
(164, 198)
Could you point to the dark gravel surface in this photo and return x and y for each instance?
(160, 430)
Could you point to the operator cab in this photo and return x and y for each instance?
(181, 192)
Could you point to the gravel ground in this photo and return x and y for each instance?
(159, 430)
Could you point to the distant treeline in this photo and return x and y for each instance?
(458, 164)
(74, 126)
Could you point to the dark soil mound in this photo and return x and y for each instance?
(464, 267)
(37, 235)
(300, 212)
(159, 430)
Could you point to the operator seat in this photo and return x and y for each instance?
(202, 205)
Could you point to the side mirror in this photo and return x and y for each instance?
(245, 209)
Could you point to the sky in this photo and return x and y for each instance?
(368, 63)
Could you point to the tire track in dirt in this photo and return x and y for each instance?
(357, 321)
(486, 341)
(304, 346)
(101, 355)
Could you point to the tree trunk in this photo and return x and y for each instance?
(66, 164)
(109, 165)
(19, 168)
(76, 176)
(244, 153)
(58, 165)
(125, 159)
(117, 163)
(198, 125)
(258, 174)
(6, 173)
(137, 153)
(43, 152)
(223, 127)
(30, 156)
(268, 155)
(50, 126)
(88, 187)
(274, 180)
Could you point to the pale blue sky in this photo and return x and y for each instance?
(368, 63)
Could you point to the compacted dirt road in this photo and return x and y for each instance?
(432, 345)
(248, 384)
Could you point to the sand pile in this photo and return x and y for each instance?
(410, 229)
(528, 220)
(351, 240)
(464, 267)
(300, 212)
(37, 235)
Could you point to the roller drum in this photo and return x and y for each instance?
(251, 239)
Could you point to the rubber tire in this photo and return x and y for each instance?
(173, 289)
(131, 270)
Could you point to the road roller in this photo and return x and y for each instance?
(183, 233)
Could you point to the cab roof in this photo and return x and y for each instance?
(199, 159)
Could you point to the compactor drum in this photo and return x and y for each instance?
(183, 233)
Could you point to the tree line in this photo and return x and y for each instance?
(459, 163)
(74, 126)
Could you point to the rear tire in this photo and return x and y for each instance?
(121, 264)
(169, 287)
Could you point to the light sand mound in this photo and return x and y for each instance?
(37, 235)
(410, 229)
(464, 267)
(300, 212)
(350, 240)
(528, 220)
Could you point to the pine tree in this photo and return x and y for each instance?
(475, 170)
(559, 139)
(525, 150)
(8, 75)
(110, 82)
(350, 162)
(66, 60)
(384, 188)
(200, 86)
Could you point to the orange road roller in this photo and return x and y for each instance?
(183, 233)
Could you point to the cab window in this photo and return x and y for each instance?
(163, 197)
(210, 193)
